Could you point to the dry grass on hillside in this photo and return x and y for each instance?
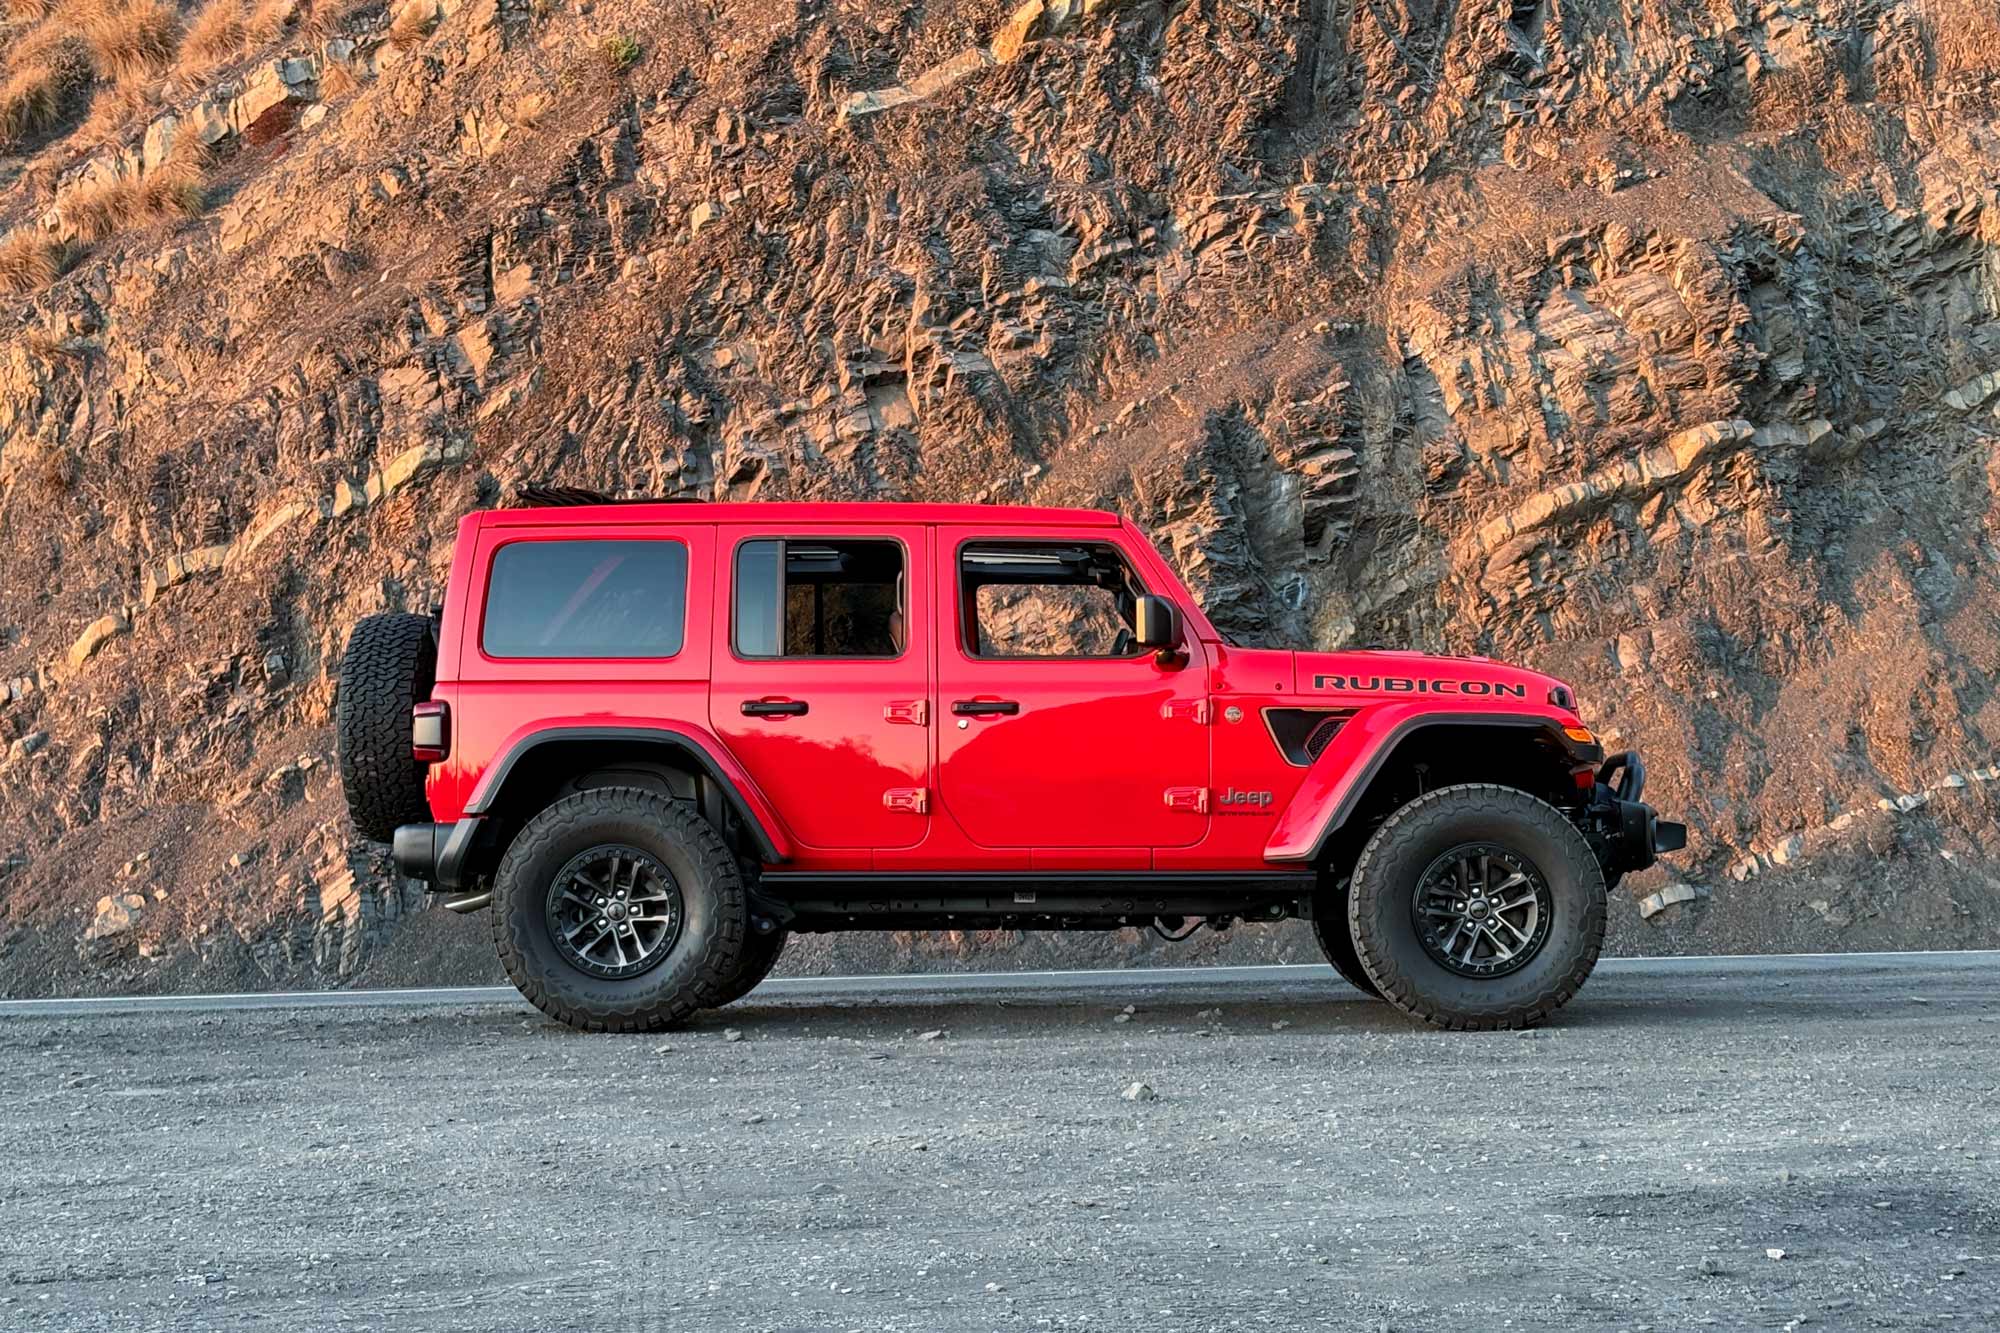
(336, 80)
(132, 45)
(224, 31)
(413, 22)
(44, 75)
(30, 260)
(216, 34)
(175, 188)
(132, 41)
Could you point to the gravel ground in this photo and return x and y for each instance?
(1741, 1146)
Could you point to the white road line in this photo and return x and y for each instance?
(946, 983)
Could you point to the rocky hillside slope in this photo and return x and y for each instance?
(1655, 343)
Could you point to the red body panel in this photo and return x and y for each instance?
(1108, 764)
(1088, 760)
(835, 770)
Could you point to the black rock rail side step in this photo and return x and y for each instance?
(1014, 900)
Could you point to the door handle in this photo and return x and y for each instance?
(774, 707)
(985, 707)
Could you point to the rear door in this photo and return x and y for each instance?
(1053, 731)
(821, 677)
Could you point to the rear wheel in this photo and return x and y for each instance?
(619, 910)
(389, 667)
(760, 955)
(1477, 907)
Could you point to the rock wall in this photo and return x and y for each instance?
(1656, 345)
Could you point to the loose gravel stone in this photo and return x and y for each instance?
(438, 1165)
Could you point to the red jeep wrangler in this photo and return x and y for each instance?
(657, 738)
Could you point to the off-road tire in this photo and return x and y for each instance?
(704, 957)
(389, 667)
(1336, 940)
(1385, 881)
(760, 955)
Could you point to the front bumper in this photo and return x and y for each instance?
(435, 852)
(1625, 832)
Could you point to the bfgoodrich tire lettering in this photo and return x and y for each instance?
(707, 949)
(1386, 878)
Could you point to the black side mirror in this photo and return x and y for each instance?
(1157, 627)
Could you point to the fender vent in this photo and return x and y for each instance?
(1302, 734)
(1322, 735)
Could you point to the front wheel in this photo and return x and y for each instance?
(1336, 940)
(1477, 907)
(619, 910)
(760, 955)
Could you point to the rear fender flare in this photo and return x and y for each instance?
(686, 743)
(1338, 781)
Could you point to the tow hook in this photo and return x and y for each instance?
(1625, 832)
(1633, 785)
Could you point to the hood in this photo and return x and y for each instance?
(1391, 673)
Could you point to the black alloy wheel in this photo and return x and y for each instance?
(614, 911)
(1482, 910)
(618, 909)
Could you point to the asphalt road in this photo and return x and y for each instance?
(449, 1160)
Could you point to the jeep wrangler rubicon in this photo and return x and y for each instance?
(655, 739)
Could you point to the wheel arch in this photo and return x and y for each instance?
(539, 766)
(1350, 791)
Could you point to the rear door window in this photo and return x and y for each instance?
(586, 599)
(804, 597)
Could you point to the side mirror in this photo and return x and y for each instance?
(1158, 628)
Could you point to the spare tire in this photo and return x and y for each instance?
(390, 666)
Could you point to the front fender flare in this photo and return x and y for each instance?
(1340, 777)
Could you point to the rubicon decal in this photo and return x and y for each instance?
(1407, 685)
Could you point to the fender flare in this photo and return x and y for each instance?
(1336, 784)
(737, 788)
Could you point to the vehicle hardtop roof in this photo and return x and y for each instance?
(778, 513)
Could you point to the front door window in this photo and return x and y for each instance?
(1048, 600)
(1056, 730)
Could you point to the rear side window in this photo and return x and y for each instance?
(586, 599)
(813, 598)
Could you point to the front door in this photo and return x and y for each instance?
(1053, 730)
(821, 681)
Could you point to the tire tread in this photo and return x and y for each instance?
(390, 659)
(1454, 803)
(723, 951)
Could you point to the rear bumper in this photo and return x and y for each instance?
(435, 852)
(1626, 833)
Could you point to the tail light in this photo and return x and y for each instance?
(430, 732)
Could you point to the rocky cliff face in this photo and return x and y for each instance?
(1655, 343)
